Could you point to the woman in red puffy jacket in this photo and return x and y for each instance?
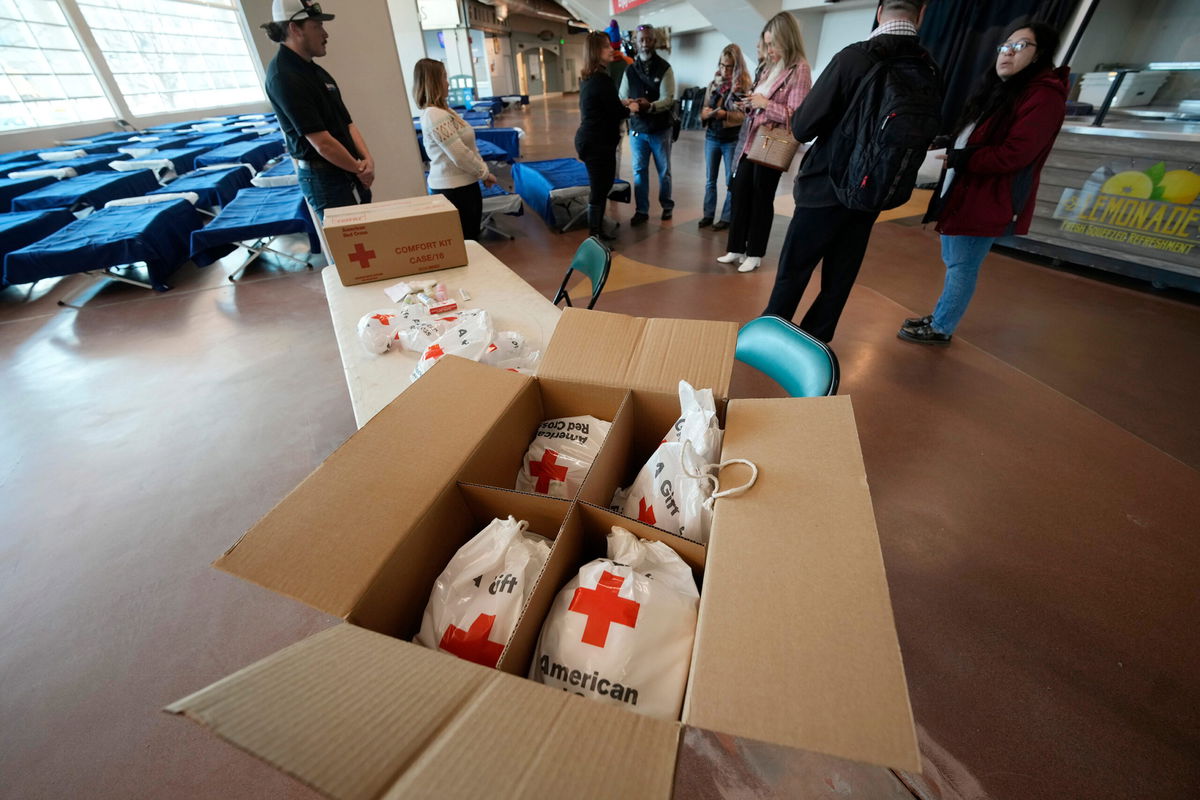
(989, 183)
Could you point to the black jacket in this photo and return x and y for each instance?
(820, 113)
(600, 115)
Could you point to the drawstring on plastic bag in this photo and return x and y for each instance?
(708, 472)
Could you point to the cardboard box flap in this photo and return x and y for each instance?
(640, 353)
(358, 716)
(325, 541)
(796, 643)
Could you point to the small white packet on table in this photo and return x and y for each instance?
(621, 630)
(477, 600)
(560, 455)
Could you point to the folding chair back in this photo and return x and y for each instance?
(593, 258)
(802, 364)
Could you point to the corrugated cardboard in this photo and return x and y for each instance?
(795, 643)
(374, 241)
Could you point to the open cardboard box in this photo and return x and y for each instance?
(795, 642)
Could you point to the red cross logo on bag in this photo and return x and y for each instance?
(473, 645)
(362, 255)
(645, 512)
(604, 607)
(383, 319)
(434, 351)
(547, 470)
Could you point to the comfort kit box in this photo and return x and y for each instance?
(795, 642)
(399, 237)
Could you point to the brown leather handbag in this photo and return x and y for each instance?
(773, 146)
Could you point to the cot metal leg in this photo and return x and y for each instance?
(261, 247)
(490, 224)
(579, 217)
(97, 275)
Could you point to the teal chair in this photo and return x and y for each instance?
(802, 364)
(593, 258)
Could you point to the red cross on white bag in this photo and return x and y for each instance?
(362, 255)
(473, 645)
(645, 512)
(547, 470)
(434, 351)
(604, 607)
(383, 319)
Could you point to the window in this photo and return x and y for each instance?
(45, 78)
(174, 55)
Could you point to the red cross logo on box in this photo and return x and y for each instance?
(362, 255)
(473, 644)
(547, 470)
(645, 512)
(604, 607)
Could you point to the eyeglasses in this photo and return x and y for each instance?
(1015, 47)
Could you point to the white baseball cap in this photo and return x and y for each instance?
(297, 11)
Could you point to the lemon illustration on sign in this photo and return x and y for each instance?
(1180, 186)
(1129, 184)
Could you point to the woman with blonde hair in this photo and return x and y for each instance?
(722, 115)
(782, 86)
(455, 167)
(600, 115)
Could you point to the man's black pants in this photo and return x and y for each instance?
(836, 237)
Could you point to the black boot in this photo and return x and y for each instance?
(596, 223)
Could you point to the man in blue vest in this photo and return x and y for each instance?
(648, 86)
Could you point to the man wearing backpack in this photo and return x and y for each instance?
(873, 113)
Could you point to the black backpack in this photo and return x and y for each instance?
(881, 141)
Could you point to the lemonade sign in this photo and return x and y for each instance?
(1153, 208)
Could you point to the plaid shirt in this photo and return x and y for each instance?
(897, 27)
(785, 97)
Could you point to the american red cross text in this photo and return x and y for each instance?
(473, 644)
(604, 607)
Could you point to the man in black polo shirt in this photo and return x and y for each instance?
(648, 86)
(333, 164)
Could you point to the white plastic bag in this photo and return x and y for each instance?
(468, 337)
(477, 600)
(378, 329)
(671, 490)
(621, 631)
(560, 455)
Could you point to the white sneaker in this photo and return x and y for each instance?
(732, 258)
(750, 264)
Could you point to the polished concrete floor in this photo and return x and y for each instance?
(1035, 485)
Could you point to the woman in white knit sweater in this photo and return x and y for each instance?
(455, 167)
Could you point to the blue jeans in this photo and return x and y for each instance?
(962, 255)
(643, 145)
(714, 153)
(330, 188)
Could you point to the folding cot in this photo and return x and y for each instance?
(92, 190)
(557, 190)
(255, 218)
(507, 138)
(222, 139)
(140, 146)
(94, 147)
(281, 174)
(23, 228)
(19, 167)
(496, 200)
(86, 164)
(15, 187)
(156, 234)
(256, 152)
(171, 162)
(215, 187)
